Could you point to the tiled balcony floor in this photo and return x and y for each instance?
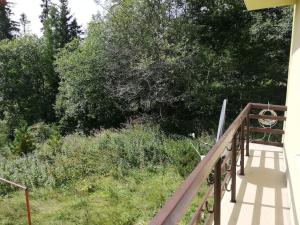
(262, 196)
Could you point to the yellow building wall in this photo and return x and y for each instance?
(292, 125)
(262, 4)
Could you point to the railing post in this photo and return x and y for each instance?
(242, 172)
(233, 168)
(248, 134)
(28, 207)
(217, 193)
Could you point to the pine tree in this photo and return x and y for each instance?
(51, 30)
(7, 26)
(69, 28)
(64, 22)
(24, 22)
(59, 26)
(74, 29)
(45, 10)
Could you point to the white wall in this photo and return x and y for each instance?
(292, 125)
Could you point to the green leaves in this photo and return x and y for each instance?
(23, 142)
(26, 81)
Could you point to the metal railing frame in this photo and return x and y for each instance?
(236, 134)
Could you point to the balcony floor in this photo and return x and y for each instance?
(262, 196)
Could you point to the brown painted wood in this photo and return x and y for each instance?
(247, 135)
(279, 118)
(242, 148)
(233, 169)
(266, 106)
(176, 206)
(217, 193)
(266, 130)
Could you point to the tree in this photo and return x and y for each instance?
(52, 31)
(45, 10)
(7, 25)
(59, 26)
(26, 91)
(24, 22)
(68, 27)
(64, 20)
(83, 101)
(176, 61)
(75, 29)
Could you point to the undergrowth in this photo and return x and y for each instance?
(112, 177)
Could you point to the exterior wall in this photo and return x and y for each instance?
(259, 4)
(292, 125)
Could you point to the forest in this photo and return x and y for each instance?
(105, 114)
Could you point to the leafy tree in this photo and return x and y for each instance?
(26, 91)
(7, 25)
(176, 61)
(83, 101)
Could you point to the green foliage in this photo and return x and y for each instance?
(41, 132)
(128, 173)
(185, 153)
(7, 25)
(130, 201)
(23, 142)
(58, 161)
(83, 101)
(173, 61)
(3, 133)
(58, 24)
(25, 87)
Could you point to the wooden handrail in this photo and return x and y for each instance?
(26, 190)
(267, 106)
(278, 118)
(177, 205)
(266, 130)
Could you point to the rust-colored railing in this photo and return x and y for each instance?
(224, 154)
(26, 190)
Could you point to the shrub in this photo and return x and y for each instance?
(42, 132)
(3, 133)
(133, 147)
(63, 160)
(23, 142)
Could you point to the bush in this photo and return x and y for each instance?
(3, 133)
(41, 132)
(185, 153)
(23, 142)
(63, 160)
(133, 147)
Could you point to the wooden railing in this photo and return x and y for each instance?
(26, 190)
(223, 155)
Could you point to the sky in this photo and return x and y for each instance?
(81, 9)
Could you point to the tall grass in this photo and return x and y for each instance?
(112, 177)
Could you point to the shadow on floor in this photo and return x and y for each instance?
(266, 187)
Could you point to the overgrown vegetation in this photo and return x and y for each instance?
(171, 61)
(109, 175)
(162, 66)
